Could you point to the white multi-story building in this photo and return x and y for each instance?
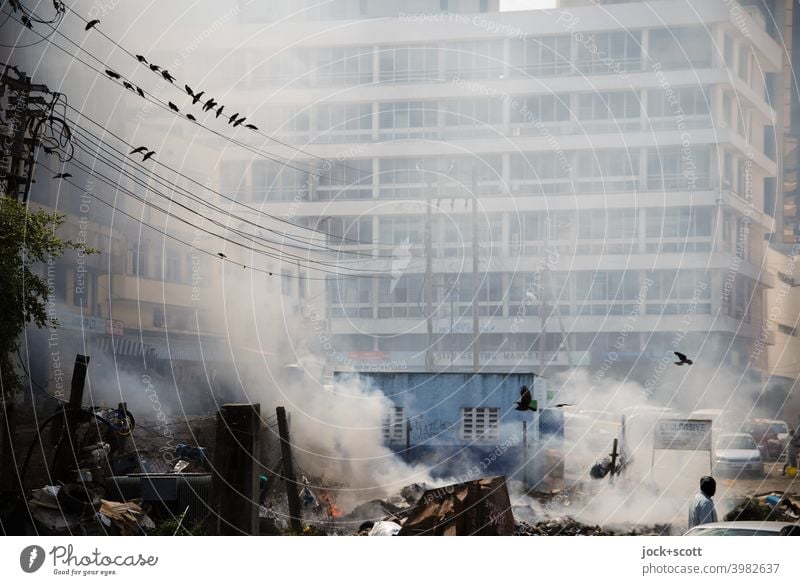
(615, 157)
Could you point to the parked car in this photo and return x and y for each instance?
(765, 437)
(738, 453)
(782, 431)
(745, 528)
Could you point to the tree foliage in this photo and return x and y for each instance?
(27, 237)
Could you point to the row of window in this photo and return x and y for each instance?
(600, 53)
(619, 110)
(668, 168)
(477, 424)
(508, 294)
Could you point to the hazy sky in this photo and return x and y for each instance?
(526, 4)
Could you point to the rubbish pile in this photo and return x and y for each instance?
(568, 526)
(775, 506)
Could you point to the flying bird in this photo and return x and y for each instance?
(141, 59)
(62, 176)
(197, 96)
(173, 107)
(190, 117)
(91, 24)
(113, 74)
(138, 150)
(166, 75)
(155, 68)
(251, 126)
(148, 155)
(563, 405)
(525, 400)
(221, 255)
(219, 111)
(683, 359)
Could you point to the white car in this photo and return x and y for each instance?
(737, 452)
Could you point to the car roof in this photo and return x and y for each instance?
(768, 524)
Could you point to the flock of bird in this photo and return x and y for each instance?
(235, 120)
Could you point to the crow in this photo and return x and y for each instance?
(138, 150)
(219, 111)
(113, 74)
(139, 91)
(563, 405)
(189, 90)
(128, 86)
(525, 400)
(221, 255)
(232, 119)
(91, 24)
(173, 107)
(683, 359)
(197, 96)
(239, 121)
(209, 104)
(27, 22)
(141, 59)
(148, 155)
(155, 68)
(190, 117)
(62, 176)
(251, 126)
(166, 75)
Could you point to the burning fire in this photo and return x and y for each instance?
(330, 505)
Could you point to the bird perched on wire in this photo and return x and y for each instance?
(154, 67)
(219, 111)
(209, 104)
(525, 400)
(139, 91)
(190, 117)
(221, 255)
(166, 75)
(232, 119)
(141, 59)
(148, 155)
(683, 359)
(129, 86)
(138, 150)
(173, 107)
(62, 176)
(239, 121)
(251, 126)
(196, 97)
(113, 74)
(91, 24)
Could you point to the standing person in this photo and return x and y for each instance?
(702, 510)
(791, 451)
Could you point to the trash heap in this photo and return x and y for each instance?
(774, 506)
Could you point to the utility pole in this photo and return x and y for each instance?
(476, 339)
(288, 471)
(66, 455)
(429, 362)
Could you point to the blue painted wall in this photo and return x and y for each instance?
(433, 403)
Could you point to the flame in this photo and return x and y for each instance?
(330, 505)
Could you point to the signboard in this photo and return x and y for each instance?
(682, 435)
(114, 327)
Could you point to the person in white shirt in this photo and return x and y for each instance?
(702, 510)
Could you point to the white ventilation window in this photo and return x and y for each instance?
(394, 425)
(479, 424)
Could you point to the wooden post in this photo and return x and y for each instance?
(66, 456)
(295, 518)
(613, 459)
(235, 479)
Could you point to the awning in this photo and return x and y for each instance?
(121, 346)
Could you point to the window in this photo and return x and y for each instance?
(536, 173)
(289, 67)
(680, 47)
(344, 66)
(607, 231)
(527, 231)
(456, 176)
(158, 317)
(602, 171)
(400, 178)
(679, 229)
(673, 168)
(349, 231)
(472, 117)
(744, 62)
(682, 107)
(678, 292)
(786, 330)
(400, 296)
(611, 52)
(343, 123)
(473, 60)
(291, 123)
(394, 424)
(399, 120)
(609, 110)
(139, 260)
(232, 179)
(277, 182)
(350, 297)
(479, 424)
(537, 110)
(174, 272)
(607, 292)
(408, 64)
(351, 179)
(538, 57)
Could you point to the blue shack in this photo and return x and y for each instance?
(466, 424)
